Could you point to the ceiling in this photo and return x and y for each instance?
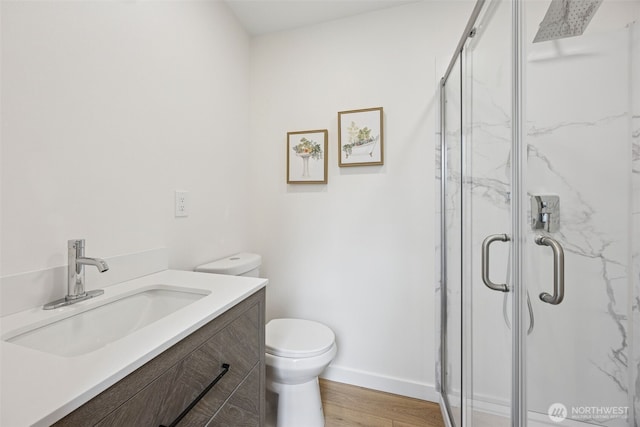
(267, 16)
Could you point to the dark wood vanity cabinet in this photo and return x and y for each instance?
(230, 349)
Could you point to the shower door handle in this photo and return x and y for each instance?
(558, 270)
(485, 262)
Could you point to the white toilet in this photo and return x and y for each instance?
(297, 351)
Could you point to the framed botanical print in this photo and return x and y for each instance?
(306, 157)
(361, 137)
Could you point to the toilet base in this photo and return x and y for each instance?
(297, 404)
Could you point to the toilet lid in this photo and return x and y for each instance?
(297, 338)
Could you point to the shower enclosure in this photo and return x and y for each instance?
(539, 261)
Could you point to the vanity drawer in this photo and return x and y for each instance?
(164, 399)
(241, 410)
(236, 338)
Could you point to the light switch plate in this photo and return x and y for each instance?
(182, 203)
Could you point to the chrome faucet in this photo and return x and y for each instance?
(75, 276)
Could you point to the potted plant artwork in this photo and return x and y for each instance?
(360, 140)
(360, 137)
(306, 160)
(306, 150)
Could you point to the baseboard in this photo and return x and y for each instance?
(384, 383)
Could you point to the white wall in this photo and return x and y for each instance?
(107, 108)
(357, 253)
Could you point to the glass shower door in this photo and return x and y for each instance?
(451, 267)
(451, 262)
(552, 215)
(486, 217)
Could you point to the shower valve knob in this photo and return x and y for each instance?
(545, 213)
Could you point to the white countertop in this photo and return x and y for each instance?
(38, 388)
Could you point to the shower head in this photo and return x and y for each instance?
(566, 18)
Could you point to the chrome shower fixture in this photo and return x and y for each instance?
(566, 18)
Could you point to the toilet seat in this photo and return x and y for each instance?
(297, 338)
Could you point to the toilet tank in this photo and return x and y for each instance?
(242, 264)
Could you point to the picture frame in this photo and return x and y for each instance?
(361, 137)
(307, 157)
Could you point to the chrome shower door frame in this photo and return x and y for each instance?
(518, 220)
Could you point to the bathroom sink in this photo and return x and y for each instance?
(77, 333)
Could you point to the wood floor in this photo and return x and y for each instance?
(350, 406)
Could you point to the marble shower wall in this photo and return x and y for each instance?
(578, 147)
